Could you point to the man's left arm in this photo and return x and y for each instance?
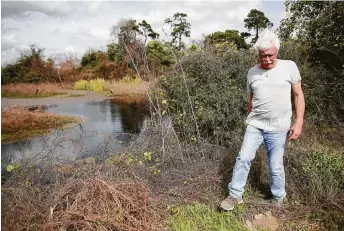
(296, 129)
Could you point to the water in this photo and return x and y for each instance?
(106, 128)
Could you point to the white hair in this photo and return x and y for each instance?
(267, 40)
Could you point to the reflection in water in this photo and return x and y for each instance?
(103, 131)
(132, 111)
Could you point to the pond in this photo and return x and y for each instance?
(108, 125)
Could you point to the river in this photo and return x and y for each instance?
(107, 126)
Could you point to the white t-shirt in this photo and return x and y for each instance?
(271, 103)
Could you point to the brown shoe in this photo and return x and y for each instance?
(229, 203)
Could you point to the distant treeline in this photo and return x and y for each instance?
(137, 49)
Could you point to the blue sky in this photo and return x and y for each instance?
(71, 26)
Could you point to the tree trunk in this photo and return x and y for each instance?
(256, 34)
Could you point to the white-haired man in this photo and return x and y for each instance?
(269, 84)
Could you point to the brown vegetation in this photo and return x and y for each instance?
(32, 90)
(125, 89)
(19, 123)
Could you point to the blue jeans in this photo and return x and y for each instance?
(275, 146)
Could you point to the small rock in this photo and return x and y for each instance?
(249, 225)
(259, 216)
(266, 221)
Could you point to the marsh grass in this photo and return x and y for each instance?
(128, 89)
(93, 85)
(26, 90)
(19, 124)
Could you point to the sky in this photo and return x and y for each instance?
(77, 26)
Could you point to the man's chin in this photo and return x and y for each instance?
(267, 66)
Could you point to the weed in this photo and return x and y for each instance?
(324, 168)
(206, 218)
(82, 85)
(97, 85)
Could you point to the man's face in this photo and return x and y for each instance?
(268, 58)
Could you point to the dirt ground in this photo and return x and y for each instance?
(87, 96)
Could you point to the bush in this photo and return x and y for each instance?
(97, 84)
(82, 85)
(217, 89)
(324, 170)
(131, 79)
(323, 90)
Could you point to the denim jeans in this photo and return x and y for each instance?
(275, 146)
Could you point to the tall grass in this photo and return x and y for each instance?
(133, 79)
(93, 85)
(31, 90)
(82, 85)
(125, 89)
(97, 85)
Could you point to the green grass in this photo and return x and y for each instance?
(200, 217)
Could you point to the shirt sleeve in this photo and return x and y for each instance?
(295, 76)
(248, 83)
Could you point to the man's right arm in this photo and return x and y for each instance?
(249, 108)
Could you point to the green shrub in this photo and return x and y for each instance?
(131, 79)
(97, 85)
(82, 85)
(201, 217)
(323, 90)
(217, 88)
(324, 170)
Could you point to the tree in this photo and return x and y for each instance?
(146, 30)
(124, 31)
(180, 27)
(228, 36)
(320, 27)
(159, 51)
(256, 20)
(30, 67)
(114, 53)
(89, 59)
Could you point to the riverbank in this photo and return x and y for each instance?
(19, 124)
(68, 95)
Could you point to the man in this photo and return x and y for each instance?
(269, 84)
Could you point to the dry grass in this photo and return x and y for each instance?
(27, 90)
(100, 204)
(19, 123)
(92, 203)
(125, 89)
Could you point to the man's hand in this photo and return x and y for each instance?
(295, 131)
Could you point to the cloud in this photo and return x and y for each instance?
(61, 26)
